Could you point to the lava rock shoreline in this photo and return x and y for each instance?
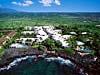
(81, 62)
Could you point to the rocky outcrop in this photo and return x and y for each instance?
(13, 53)
(86, 62)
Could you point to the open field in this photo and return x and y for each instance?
(16, 20)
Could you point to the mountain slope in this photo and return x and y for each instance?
(7, 10)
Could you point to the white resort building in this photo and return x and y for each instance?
(44, 32)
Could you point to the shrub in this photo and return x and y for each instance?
(35, 46)
(58, 43)
(2, 51)
(69, 50)
(48, 42)
(92, 53)
(41, 47)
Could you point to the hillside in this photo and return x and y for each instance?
(7, 10)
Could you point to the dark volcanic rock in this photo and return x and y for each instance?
(86, 62)
(13, 53)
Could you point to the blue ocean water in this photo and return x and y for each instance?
(40, 66)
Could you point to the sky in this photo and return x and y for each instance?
(52, 5)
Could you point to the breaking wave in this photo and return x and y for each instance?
(15, 62)
(58, 59)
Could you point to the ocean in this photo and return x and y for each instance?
(40, 66)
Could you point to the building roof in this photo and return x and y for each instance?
(17, 45)
(9, 36)
(84, 33)
(80, 43)
(73, 33)
(41, 32)
(28, 28)
(66, 36)
(27, 32)
(97, 25)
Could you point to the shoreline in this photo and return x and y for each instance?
(60, 60)
(11, 55)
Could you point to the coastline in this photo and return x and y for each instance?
(12, 55)
(60, 60)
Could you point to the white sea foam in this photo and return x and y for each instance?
(59, 59)
(66, 62)
(15, 62)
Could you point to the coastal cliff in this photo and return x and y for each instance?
(13, 53)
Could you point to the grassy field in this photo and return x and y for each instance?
(16, 20)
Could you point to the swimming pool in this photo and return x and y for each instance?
(86, 50)
(23, 46)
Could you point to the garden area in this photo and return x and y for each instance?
(3, 34)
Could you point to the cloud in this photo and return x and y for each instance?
(57, 2)
(25, 3)
(48, 3)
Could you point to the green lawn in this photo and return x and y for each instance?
(2, 50)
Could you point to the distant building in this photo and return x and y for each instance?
(27, 32)
(28, 41)
(73, 33)
(9, 36)
(44, 32)
(79, 43)
(58, 31)
(66, 37)
(98, 26)
(84, 33)
(28, 28)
